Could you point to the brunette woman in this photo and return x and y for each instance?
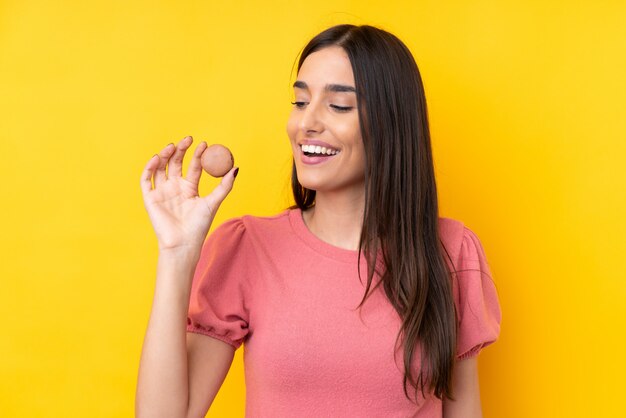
(359, 301)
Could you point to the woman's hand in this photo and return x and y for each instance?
(179, 216)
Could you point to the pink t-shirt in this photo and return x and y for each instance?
(291, 299)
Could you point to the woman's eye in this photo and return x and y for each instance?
(342, 108)
(336, 108)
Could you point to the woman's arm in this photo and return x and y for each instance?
(178, 375)
(465, 390)
(162, 385)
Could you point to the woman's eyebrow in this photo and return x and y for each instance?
(335, 88)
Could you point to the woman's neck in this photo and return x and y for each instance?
(337, 219)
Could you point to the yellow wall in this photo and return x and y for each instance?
(528, 122)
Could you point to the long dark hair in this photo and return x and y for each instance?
(400, 221)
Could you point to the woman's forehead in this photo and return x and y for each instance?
(329, 65)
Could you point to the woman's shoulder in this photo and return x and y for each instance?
(252, 225)
(460, 242)
(253, 234)
(451, 232)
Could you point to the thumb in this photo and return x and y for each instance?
(217, 196)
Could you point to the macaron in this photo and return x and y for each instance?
(217, 160)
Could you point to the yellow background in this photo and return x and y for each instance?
(526, 103)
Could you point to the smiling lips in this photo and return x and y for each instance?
(315, 154)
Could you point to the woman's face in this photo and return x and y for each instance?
(324, 124)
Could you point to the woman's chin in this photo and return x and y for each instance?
(312, 183)
(310, 186)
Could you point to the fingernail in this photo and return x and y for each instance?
(236, 172)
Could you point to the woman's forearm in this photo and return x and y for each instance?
(466, 391)
(162, 385)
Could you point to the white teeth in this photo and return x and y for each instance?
(317, 149)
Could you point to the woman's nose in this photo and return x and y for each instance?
(311, 119)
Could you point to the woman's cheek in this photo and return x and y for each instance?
(292, 127)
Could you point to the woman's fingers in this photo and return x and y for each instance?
(195, 168)
(175, 166)
(148, 172)
(217, 196)
(169, 164)
(164, 157)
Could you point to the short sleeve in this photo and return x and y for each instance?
(476, 299)
(219, 291)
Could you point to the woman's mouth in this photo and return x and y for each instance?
(315, 154)
(316, 150)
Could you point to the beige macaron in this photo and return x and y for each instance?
(217, 160)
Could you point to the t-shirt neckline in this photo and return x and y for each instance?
(320, 246)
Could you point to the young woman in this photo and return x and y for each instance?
(360, 300)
